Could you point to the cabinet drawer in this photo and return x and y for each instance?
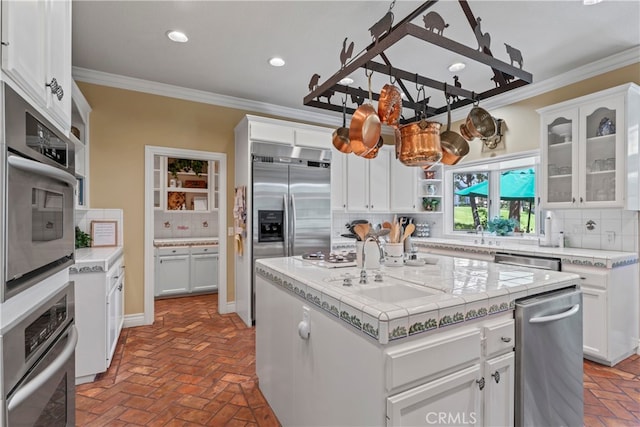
(175, 250)
(499, 337)
(412, 362)
(203, 250)
(596, 278)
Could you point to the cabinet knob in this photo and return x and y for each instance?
(573, 200)
(496, 376)
(120, 287)
(581, 200)
(56, 89)
(480, 383)
(505, 339)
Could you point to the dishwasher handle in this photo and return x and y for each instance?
(544, 319)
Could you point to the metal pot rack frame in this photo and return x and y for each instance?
(504, 74)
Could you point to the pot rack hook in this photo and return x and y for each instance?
(393, 3)
(475, 98)
(416, 82)
(446, 95)
(366, 72)
(392, 79)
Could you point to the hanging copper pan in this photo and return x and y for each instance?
(390, 105)
(341, 135)
(454, 147)
(373, 153)
(420, 143)
(365, 127)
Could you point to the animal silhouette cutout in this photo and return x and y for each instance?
(381, 27)
(507, 78)
(434, 22)
(484, 39)
(327, 95)
(358, 100)
(456, 83)
(346, 52)
(313, 83)
(515, 55)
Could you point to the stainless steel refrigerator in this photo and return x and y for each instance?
(291, 199)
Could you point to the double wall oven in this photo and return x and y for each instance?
(37, 333)
(39, 198)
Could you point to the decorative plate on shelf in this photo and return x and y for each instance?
(175, 200)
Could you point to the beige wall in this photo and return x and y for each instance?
(123, 122)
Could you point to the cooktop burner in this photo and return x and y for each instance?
(331, 257)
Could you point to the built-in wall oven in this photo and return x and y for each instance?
(38, 354)
(39, 198)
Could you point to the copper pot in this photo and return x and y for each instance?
(454, 147)
(390, 105)
(479, 124)
(365, 128)
(373, 153)
(420, 143)
(340, 136)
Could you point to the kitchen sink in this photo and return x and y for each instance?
(393, 292)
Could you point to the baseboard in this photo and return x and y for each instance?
(229, 307)
(133, 320)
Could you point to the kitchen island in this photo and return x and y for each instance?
(423, 342)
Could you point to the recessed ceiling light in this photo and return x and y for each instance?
(457, 66)
(177, 36)
(590, 2)
(276, 61)
(346, 81)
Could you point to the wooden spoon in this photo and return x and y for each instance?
(387, 225)
(408, 230)
(361, 230)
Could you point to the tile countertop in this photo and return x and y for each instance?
(459, 290)
(590, 257)
(92, 260)
(185, 241)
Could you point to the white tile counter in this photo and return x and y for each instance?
(186, 241)
(95, 259)
(427, 297)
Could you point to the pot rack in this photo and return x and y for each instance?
(505, 76)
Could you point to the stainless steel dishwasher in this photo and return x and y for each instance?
(549, 387)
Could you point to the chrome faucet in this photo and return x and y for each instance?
(363, 272)
(481, 228)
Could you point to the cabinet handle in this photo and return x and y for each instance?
(480, 383)
(496, 376)
(120, 289)
(4, 43)
(505, 339)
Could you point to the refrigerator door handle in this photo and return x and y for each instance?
(286, 225)
(293, 226)
(544, 319)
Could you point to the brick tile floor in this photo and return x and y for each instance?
(195, 367)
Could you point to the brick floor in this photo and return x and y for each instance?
(195, 367)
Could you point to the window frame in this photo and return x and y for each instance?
(493, 167)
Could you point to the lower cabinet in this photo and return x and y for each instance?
(611, 317)
(186, 269)
(99, 317)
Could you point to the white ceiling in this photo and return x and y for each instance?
(231, 41)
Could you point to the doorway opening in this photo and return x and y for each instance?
(198, 180)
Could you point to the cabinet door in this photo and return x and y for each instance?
(357, 184)
(114, 317)
(268, 132)
(456, 397)
(23, 46)
(499, 390)
(58, 50)
(602, 129)
(204, 272)
(594, 322)
(379, 181)
(313, 139)
(560, 144)
(338, 180)
(402, 187)
(172, 275)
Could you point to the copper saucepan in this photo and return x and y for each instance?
(479, 124)
(390, 105)
(454, 147)
(340, 137)
(365, 127)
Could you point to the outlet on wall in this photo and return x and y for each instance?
(230, 231)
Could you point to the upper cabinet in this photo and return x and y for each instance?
(79, 135)
(368, 182)
(36, 54)
(589, 149)
(185, 184)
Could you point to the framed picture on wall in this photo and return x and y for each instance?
(104, 233)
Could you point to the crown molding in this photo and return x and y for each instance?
(613, 62)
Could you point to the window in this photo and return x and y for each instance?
(478, 193)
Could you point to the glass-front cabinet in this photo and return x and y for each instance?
(185, 184)
(586, 146)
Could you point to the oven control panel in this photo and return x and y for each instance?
(41, 329)
(45, 142)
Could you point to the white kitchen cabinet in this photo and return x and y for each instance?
(402, 187)
(204, 268)
(80, 110)
(499, 376)
(368, 182)
(277, 133)
(186, 269)
(314, 138)
(36, 54)
(189, 185)
(610, 311)
(99, 318)
(589, 151)
(338, 180)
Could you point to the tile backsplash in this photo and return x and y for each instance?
(605, 229)
(178, 224)
(341, 218)
(83, 218)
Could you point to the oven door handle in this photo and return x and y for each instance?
(27, 390)
(41, 169)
